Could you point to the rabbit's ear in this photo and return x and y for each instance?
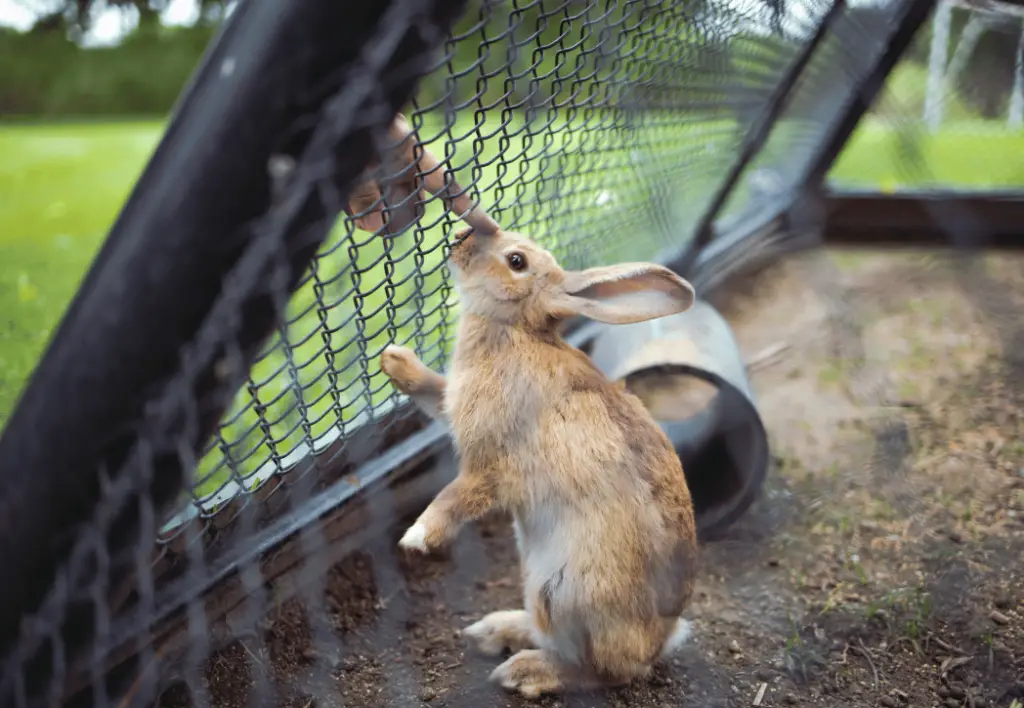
(625, 293)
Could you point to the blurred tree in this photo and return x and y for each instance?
(76, 16)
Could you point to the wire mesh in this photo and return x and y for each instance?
(601, 129)
(576, 123)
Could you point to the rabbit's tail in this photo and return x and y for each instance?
(680, 635)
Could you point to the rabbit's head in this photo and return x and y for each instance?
(509, 278)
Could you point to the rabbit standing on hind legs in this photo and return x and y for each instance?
(603, 517)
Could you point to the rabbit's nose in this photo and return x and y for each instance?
(461, 249)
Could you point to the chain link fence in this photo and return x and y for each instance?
(604, 133)
(256, 464)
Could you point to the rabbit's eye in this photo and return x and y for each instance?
(516, 261)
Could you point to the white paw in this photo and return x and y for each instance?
(394, 358)
(389, 360)
(528, 674)
(395, 351)
(402, 367)
(505, 677)
(415, 538)
(483, 638)
(486, 637)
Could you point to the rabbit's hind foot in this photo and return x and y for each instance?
(532, 673)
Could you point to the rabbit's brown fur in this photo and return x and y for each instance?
(603, 516)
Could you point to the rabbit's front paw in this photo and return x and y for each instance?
(501, 631)
(402, 366)
(415, 539)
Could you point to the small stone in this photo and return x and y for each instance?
(943, 692)
(957, 692)
(955, 537)
(734, 647)
(999, 618)
(889, 702)
(765, 674)
(660, 679)
(427, 694)
(789, 699)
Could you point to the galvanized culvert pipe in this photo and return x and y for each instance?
(688, 371)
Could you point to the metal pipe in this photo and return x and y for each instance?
(937, 60)
(1015, 114)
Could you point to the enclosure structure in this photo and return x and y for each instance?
(230, 437)
(983, 17)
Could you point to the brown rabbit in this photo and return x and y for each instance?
(603, 516)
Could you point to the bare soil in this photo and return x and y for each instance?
(883, 566)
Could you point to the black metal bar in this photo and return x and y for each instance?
(755, 139)
(136, 356)
(903, 219)
(914, 15)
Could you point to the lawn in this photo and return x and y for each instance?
(62, 186)
(967, 153)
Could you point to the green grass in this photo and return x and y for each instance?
(905, 91)
(63, 184)
(964, 154)
(60, 188)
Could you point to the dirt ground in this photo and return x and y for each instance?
(883, 566)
